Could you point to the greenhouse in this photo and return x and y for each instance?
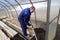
(45, 20)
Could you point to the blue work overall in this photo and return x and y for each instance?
(24, 18)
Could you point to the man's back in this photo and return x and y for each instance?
(25, 12)
(24, 16)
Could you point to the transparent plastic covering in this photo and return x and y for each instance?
(14, 7)
(54, 9)
(13, 2)
(52, 30)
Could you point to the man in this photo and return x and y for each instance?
(24, 18)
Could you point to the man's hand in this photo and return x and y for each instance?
(29, 27)
(29, 24)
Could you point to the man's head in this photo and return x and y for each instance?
(32, 9)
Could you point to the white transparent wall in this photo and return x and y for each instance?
(14, 14)
(52, 30)
(3, 13)
(41, 11)
(54, 9)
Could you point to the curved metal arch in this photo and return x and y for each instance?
(35, 17)
(34, 13)
(6, 6)
(19, 4)
(31, 2)
(12, 6)
(34, 2)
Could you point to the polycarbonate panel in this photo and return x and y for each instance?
(37, 0)
(4, 2)
(54, 9)
(14, 7)
(1, 8)
(41, 11)
(28, 1)
(23, 1)
(12, 2)
(52, 30)
(3, 13)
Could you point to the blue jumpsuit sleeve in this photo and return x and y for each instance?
(26, 18)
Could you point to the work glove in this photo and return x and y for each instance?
(29, 26)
